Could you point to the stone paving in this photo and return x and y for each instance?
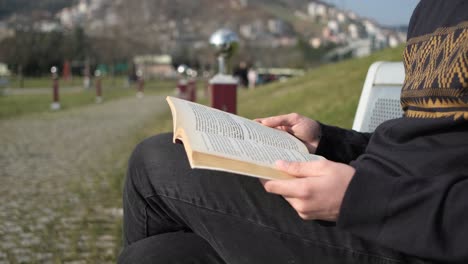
(59, 181)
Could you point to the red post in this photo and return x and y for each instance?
(192, 89)
(66, 73)
(182, 89)
(55, 89)
(223, 93)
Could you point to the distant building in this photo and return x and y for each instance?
(333, 27)
(65, 17)
(4, 71)
(155, 66)
(341, 17)
(321, 10)
(287, 41)
(277, 26)
(311, 9)
(5, 32)
(393, 41)
(358, 48)
(370, 27)
(73, 16)
(352, 15)
(246, 31)
(353, 31)
(316, 9)
(380, 41)
(239, 4)
(82, 6)
(332, 12)
(315, 43)
(47, 26)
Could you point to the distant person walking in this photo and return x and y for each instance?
(240, 72)
(252, 77)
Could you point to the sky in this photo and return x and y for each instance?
(386, 12)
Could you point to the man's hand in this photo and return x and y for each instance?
(318, 190)
(305, 129)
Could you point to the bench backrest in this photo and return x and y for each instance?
(380, 97)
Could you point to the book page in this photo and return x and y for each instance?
(208, 121)
(250, 151)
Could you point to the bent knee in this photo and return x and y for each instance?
(152, 149)
(155, 157)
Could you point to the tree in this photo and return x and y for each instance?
(37, 52)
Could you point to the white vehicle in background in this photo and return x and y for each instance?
(4, 75)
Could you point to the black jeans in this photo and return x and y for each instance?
(173, 214)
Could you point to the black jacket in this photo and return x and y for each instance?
(410, 190)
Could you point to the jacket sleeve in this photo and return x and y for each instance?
(341, 145)
(411, 194)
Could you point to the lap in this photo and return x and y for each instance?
(184, 248)
(235, 214)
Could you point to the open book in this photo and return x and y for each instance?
(217, 140)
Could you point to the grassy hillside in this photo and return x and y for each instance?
(329, 94)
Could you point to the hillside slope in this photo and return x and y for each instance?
(9, 7)
(329, 93)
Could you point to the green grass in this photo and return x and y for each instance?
(41, 82)
(45, 82)
(329, 93)
(15, 105)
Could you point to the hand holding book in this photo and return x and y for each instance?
(217, 140)
(318, 189)
(303, 128)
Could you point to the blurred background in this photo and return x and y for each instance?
(79, 36)
(83, 81)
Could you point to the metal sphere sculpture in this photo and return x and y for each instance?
(225, 43)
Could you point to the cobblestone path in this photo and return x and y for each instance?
(59, 181)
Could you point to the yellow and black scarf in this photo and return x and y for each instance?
(436, 84)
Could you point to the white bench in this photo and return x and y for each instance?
(380, 97)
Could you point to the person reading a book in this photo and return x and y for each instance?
(398, 195)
